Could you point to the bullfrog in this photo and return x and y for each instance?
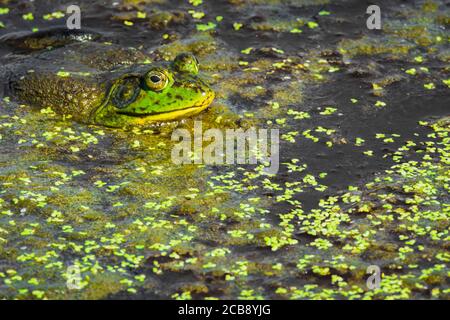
(102, 83)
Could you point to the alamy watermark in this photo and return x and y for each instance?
(74, 20)
(374, 280)
(229, 146)
(374, 20)
(73, 277)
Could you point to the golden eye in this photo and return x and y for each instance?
(156, 80)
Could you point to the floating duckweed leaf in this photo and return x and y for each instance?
(206, 27)
(446, 82)
(237, 26)
(196, 3)
(328, 111)
(28, 16)
(418, 59)
(196, 14)
(63, 74)
(54, 15)
(359, 141)
(411, 71)
(141, 15)
(312, 24)
(429, 86)
(380, 103)
(38, 294)
(247, 51)
(280, 51)
(296, 30)
(122, 234)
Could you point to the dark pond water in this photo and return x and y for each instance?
(363, 176)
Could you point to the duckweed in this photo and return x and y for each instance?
(111, 203)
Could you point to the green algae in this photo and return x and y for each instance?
(112, 203)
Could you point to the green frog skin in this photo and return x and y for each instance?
(105, 84)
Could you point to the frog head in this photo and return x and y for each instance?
(157, 92)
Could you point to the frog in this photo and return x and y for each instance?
(78, 76)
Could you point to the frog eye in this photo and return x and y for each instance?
(156, 80)
(126, 92)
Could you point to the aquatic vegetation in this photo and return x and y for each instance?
(364, 172)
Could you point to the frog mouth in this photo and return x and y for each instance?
(166, 116)
(108, 114)
(170, 115)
